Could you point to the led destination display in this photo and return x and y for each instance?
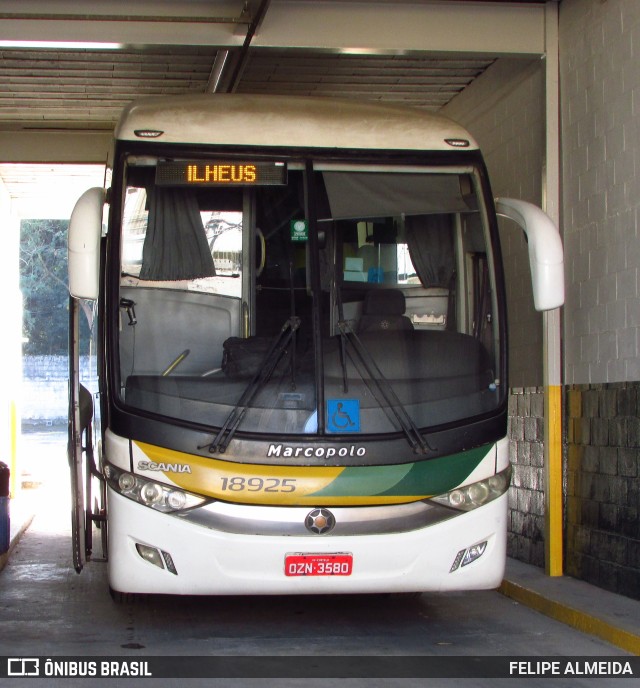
(221, 173)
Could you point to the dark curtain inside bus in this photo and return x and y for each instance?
(430, 242)
(175, 246)
(374, 194)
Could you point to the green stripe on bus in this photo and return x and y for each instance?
(420, 479)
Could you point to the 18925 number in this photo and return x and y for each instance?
(239, 483)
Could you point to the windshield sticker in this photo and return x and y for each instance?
(343, 415)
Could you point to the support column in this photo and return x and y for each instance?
(552, 343)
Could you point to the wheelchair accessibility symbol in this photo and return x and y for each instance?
(343, 415)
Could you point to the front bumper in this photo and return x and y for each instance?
(214, 562)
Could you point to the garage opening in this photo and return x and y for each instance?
(36, 201)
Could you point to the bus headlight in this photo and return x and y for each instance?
(126, 482)
(477, 494)
(177, 499)
(150, 493)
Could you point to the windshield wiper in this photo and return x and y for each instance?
(273, 356)
(347, 336)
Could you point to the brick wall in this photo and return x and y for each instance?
(526, 494)
(603, 486)
(601, 483)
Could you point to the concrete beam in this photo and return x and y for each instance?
(444, 27)
(73, 146)
(145, 22)
(388, 27)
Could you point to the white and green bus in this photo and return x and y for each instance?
(299, 319)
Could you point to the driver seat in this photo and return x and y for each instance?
(383, 311)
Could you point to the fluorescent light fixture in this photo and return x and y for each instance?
(358, 51)
(61, 45)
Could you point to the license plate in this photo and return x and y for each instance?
(300, 564)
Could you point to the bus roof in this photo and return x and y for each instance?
(283, 121)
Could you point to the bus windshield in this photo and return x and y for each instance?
(306, 297)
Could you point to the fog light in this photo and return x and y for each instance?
(473, 553)
(467, 556)
(150, 554)
(168, 560)
(457, 560)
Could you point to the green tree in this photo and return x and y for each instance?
(43, 281)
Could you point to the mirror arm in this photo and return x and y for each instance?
(546, 255)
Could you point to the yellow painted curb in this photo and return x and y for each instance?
(630, 642)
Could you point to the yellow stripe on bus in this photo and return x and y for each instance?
(246, 483)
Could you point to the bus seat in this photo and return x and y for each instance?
(384, 310)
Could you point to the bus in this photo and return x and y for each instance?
(299, 331)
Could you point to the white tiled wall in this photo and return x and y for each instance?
(504, 111)
(600, 114)
(600, 110)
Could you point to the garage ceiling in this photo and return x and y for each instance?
(67, 69)
(88, 88)
(80, 88)
(74, 87)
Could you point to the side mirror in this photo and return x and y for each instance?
(546, 255)
(85, 230)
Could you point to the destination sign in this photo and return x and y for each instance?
(221, 173)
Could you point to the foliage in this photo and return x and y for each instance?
(43, 282)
